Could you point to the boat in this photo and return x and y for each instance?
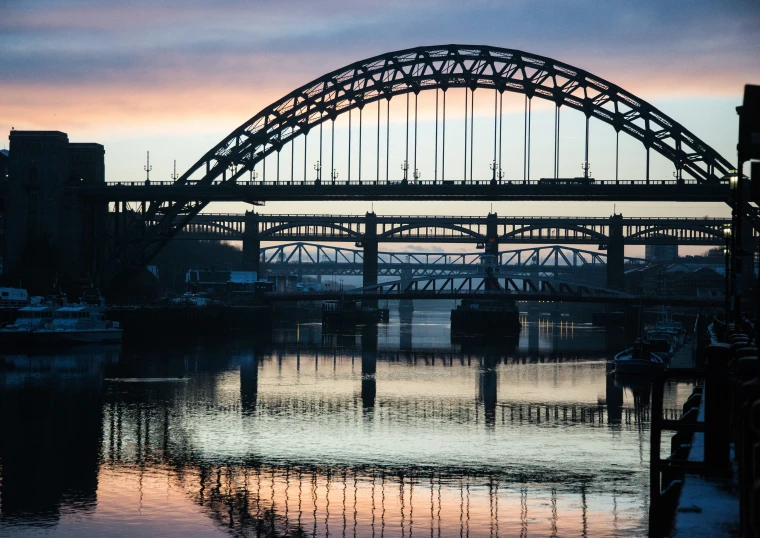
(665, 344)
(640, 359)
(10, 297)
(11, 300)
(665, 322)
(29, 319)
(480, 318)
(78, 323)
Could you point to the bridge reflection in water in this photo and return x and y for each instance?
(362, 439)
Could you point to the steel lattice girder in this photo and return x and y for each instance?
(548, 257)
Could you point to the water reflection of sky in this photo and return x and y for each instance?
(363, 435)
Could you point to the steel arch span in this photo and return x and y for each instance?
(411, 71)
(457, 66)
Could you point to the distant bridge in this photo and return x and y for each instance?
(457, 229)
(497, 286)
(316, 259)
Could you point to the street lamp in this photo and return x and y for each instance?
(733, 179)
(586, 166)
(727, 256)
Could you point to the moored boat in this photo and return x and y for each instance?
(664, 344)
(78, 323)
(639, 359)
(30, 318)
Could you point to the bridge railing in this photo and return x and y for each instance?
(420, 183)
(479, 218)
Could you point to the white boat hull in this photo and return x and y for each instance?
(93, 336)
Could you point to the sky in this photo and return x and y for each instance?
(175, 77)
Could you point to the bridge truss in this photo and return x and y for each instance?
(316, 259)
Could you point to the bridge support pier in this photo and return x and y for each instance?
(369, 264)
(491, 254)
(251, 244)
(616, 254)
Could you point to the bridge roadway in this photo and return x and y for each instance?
(259, 192)
(573, 294)
(456, 229)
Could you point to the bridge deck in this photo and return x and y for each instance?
(456, 191)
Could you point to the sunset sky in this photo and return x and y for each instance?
(175, 77)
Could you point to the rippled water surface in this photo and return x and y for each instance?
(393, 431)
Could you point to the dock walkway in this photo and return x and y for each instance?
(707, 508)
(684, 357)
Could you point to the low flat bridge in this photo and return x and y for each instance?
(494, 286)
(317, 259)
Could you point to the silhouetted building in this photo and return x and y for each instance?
(55, 234)
(677, 280)
(3, 182)
(661, 253)
(703, 283)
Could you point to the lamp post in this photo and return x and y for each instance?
(727, 256)
(405, 168)
(735, 184)
(586, 166)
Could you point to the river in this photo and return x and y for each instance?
(393, 431)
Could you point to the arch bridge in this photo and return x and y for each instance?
(456, 229)
(231, 169)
